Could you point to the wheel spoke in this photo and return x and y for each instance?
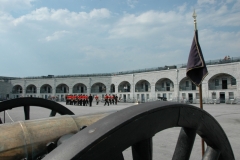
(142, 150)
(184, 144)
(27, 112)
(211, 154)
(53, 113)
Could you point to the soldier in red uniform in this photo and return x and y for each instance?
(97, 99)
(81, 99)
(71, 102)
(78, 99)
(110, 99)
(75, 99)
(106, 100)
(67, 100)
(86, 98)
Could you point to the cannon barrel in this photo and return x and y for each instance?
(23, 139)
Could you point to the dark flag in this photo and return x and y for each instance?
(196, 67)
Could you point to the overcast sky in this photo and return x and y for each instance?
(62, 37)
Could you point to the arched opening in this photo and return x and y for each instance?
(164, 84)
(142, 86)
(46, 88)
(98, 88)
(17, 89)
(188, 92)
(222, 88)
(222, 81)
(124, 86)
(164, 89)
(186, 85)
(31, 89)
(79, 88)
(62, 88)
(112, 88)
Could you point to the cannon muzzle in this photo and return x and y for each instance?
(23, 139)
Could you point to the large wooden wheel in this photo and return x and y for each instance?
(135, 126)
(39, 102)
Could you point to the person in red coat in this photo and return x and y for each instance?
(97, 99)
(106, 100)
(81, 99)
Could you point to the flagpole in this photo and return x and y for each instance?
(200, 86)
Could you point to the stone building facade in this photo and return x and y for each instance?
(220, 86)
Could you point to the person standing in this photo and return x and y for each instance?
(97, 99)
(81, 99)
(106, 100)
(113, 99)
(110, 99)
(116, 99)
(90, 98)
(84, 99)
(72, 99)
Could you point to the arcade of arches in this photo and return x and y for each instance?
(221, 87)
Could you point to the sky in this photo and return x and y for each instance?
(68, 37)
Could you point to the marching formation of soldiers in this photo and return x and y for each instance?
(110, 99)
(84, 100)
(81, 100)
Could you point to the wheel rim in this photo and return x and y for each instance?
(135, 126)
(26, 102)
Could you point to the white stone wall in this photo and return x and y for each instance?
(5, 88)
(176, 77)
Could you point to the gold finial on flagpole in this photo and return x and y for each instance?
(195, 20)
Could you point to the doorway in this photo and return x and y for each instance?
(81, 89)
(190, 97)
(100, 89)
(222, 97)
(146, 87)
(142, 98)
(124, 97)
(224, 84)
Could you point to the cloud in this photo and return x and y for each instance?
(99, 38)
(56, 35)
(132, 3)
(201, 2)
(217, 43)
(221, 16)
(182, 8)
(63, 16)
(147, 23)
(5, 20)
(13, 5)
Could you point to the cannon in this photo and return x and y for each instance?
(107, 135)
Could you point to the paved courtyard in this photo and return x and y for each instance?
(164, 142)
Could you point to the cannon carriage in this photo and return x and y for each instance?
(105, 136)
